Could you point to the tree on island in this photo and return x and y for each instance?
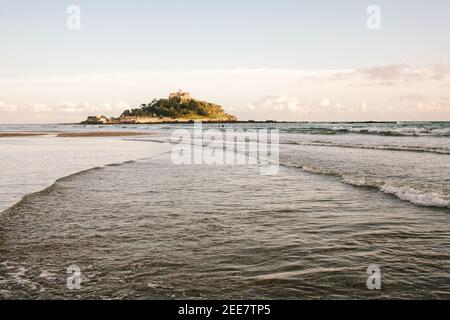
(177, 108)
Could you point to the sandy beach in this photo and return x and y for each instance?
(100, 134)
(22, 134)
(60, 134)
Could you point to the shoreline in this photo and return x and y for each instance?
(100, 134)
(253, 121)
(24, 134)
(60, 134)
(224, 122)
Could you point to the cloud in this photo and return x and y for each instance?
(88, 108)
(7, 107)
(403, 73)
(325, 102)
(123, 105)
(388, 75)
(40, 108)
(412, 97)
(247, 93)
(69, 107)
(432, 107)
(105, 106)
(276, 104)
(283, 107)
(364, 106)
(389, 72)
(440, 72)
(251, 106)
(72, 109)
(291, 105)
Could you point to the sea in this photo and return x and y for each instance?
(355, 211)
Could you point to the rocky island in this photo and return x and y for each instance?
(179, 107)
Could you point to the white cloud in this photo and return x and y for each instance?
(40, 108)
(248, 93)
(275, 103)
(279, 107)
(105, 106)
(88, 108)
(121, 105)
(283, 105)
(432, 107)
(364, 106)
(325, 102)
(7, 107)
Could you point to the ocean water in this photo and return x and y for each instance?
(347, 196)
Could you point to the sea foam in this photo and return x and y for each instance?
(420, 198)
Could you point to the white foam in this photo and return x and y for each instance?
(406, 193)
(420, 198)
(360, 181)
(46, 275)
(317, 170)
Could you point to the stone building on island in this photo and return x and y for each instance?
(184, 96)
(96, 120)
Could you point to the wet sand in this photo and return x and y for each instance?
(100, 134)
(72, 134)
(23, 134)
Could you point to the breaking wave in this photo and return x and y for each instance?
(403, 192)
(388, 129)
(417, 197)
(407, 132)
(52, 187)
(436, 150)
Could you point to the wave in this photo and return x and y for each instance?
(53, 187)
(315, 170)
(362, 181)
(400, 132)
(380, 131)
(435, 150)
(425, 199)
(403, 192)
(409, 131)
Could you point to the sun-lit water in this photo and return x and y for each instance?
(347, 196)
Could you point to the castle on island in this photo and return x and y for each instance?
(184, 96)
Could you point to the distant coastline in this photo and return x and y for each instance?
(187, 121)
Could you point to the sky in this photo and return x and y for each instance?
(279, 60)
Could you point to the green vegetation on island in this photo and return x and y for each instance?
(179, 106)
(175, 108)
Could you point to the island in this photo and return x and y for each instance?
(179, 107)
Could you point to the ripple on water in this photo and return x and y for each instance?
(294, 235)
